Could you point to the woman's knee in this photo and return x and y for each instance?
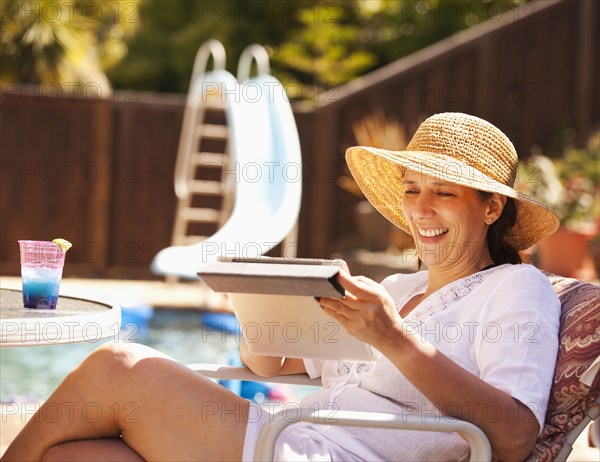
(116, 360)
(110, 356)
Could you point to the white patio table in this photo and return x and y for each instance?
(73, 320)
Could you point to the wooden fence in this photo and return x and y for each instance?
(99, 171)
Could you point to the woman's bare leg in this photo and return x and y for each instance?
(101, 450)
(160, 408)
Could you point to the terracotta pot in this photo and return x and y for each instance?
(594, 250)
(566, 252)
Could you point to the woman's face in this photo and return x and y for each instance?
(447, 221)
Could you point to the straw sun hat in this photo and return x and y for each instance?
(457, 148)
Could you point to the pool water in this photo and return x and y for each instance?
(32, 373)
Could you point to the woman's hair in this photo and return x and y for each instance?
(500, 251)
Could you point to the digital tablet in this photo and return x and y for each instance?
(274, 302)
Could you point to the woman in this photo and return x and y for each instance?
(474, 337)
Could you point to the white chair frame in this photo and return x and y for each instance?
(478, 441)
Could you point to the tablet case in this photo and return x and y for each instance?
(277, 276)
(273, 300)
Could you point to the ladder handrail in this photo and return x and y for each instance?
(210, 47)
(190, 116)
(257, 53)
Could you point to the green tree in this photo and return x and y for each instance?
(161, 55)
(396, 28)
(326, 52)
(64, 42)
(339, 40)
(151, 44)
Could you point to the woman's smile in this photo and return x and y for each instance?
(431, 234)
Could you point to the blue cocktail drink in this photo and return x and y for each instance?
(40, 287)
(41, 271)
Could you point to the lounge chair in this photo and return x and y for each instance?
(574, 399)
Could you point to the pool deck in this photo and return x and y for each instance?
(193, 295)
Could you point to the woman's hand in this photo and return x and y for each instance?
(367, 311)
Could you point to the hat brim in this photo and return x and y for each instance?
(380, 174)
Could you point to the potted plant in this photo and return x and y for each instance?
(375, 232)
(571, 186)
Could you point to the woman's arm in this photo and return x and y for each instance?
(369, 313)
(510, 426)
(269, 366)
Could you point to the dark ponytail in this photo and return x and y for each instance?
(500, 251)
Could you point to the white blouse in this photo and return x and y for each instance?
(500, 324)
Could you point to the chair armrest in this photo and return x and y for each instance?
(478, 442)
(218, 371)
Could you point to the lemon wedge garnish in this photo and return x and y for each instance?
(63, 244)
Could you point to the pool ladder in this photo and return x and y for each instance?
(203, 187)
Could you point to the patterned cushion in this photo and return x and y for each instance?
(578, 348)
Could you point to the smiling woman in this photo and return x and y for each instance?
(473, 337)
(452, 190)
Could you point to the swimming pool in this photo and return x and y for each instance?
(30, 374)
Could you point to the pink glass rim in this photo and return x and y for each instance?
(33, 252)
